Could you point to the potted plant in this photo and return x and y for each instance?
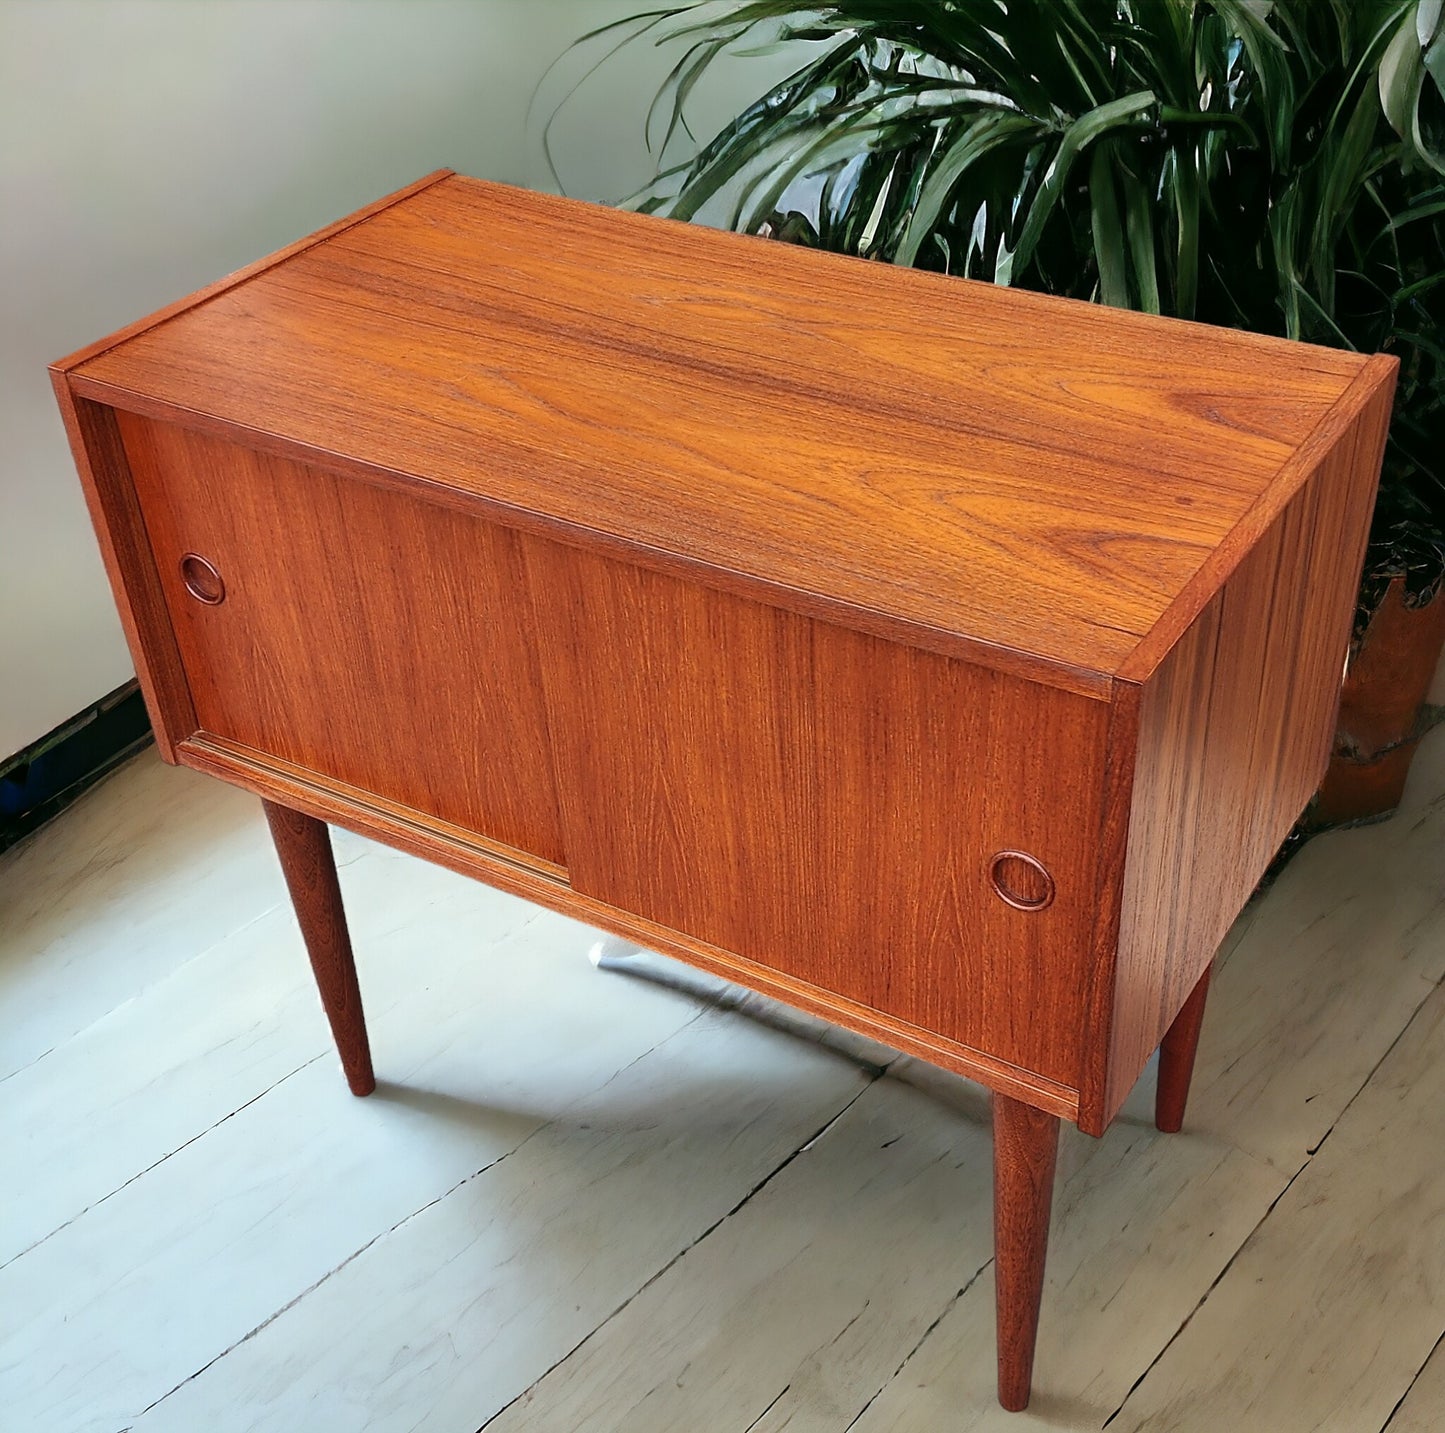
(1266, 164)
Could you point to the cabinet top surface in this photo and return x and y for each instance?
(1031, 480)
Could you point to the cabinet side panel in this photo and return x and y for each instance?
(105, 475)
(825, 803)
(1235, 727)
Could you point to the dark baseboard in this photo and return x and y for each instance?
(42, 780)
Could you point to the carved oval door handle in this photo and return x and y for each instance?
(1021, 880)
(202, 580)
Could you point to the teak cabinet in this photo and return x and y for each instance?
(946, 660)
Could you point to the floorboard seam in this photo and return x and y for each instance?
(781, 1394)
(1399, 1403)
(337, 1268)
(1375, 1068)
(1244, 1243)
(922, 1339)
(683, 1252)
(356, 1253)
(33, 1062)
(1214, 1284)
(143, 991)
(621, 1070)
(170, 1154)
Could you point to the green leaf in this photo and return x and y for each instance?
(1421, 286)
(1116, 114)
(1324, 322)
(1401, 70)
(1427, 21)
(812, 153)
(985, 133)
(1346, 164)
(1430, 102)
(1139, 227)
(1269, 63)
(1186, 212)
(1284, 233)
(1108, 230)
(1426, 210)
(632, 27)
(680, 81)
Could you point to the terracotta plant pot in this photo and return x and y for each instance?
(1382, 709)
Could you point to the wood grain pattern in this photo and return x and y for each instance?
(412, 831)
(1372, 388)
(375, 639)
(1234, 732)
(913, 489)
(304, 848)
(1025, 1150)
(788, 790)
(1176, 1059)
(100, 460)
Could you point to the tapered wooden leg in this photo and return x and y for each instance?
(1025, 1148)
(304, 846)
(1176, 1059)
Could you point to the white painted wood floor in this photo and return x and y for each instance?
(582, 1201)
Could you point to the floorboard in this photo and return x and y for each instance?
(1422, 1409)
(502, 1277)
(581, 1201)
(814, 1284)
(1343, 1284)
(117, 893)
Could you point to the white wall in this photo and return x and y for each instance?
(149, 146)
